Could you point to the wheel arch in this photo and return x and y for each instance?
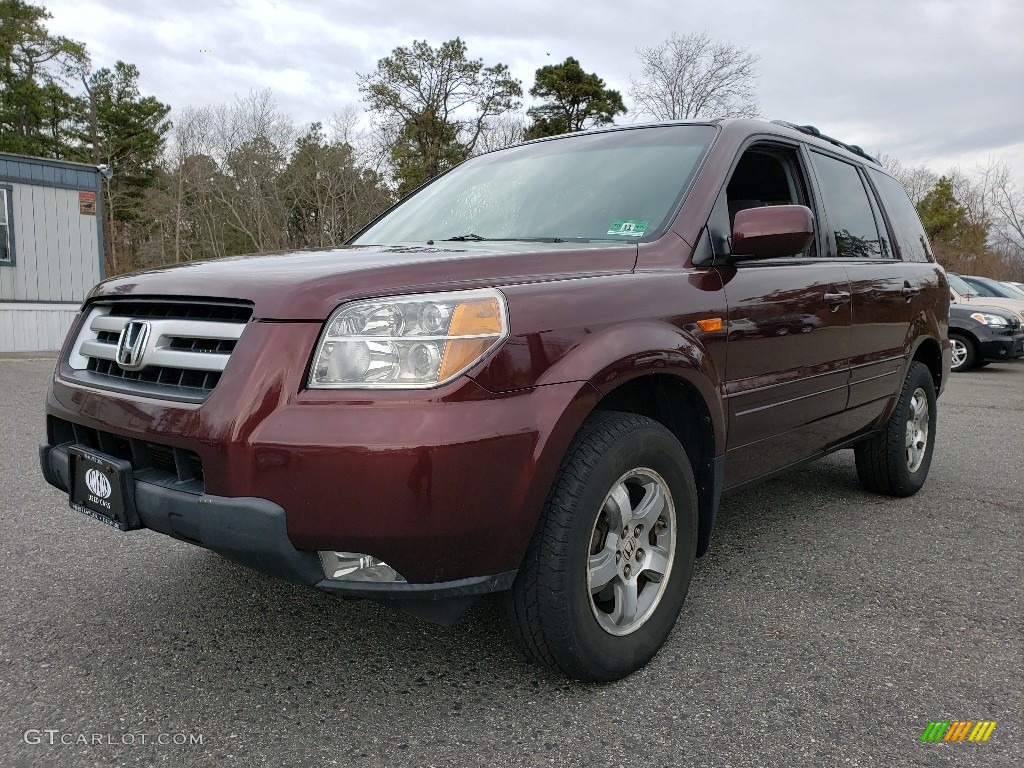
(929, 352)
(678, 405)
(643, 368)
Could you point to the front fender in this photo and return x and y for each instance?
(601, 363)
(611, 356)
(618, 355)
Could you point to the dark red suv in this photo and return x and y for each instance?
(535, 376)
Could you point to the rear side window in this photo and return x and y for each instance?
(847, 208)
(907, 229)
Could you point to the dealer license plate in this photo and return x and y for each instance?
(101, 487)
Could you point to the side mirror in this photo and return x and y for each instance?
(771, 231)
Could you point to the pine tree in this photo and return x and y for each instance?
(574, 100)
(36, 109)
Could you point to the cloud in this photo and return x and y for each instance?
(925, 80)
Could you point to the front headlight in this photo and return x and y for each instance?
(406, 342)
(986, 319)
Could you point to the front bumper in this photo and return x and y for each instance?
(443, 485)
(999, 347)
(254, 532)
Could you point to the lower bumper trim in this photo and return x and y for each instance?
(1002, 349)
(254, 532)
(400, 590)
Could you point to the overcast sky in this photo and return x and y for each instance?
(936, 82)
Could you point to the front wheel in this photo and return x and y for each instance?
(896, 460)
(963, 356)
(608, 568)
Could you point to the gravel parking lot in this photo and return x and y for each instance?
(827, 627)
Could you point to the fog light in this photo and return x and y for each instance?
(353, 566)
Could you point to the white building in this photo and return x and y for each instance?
(51, 248)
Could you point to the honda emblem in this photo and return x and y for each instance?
(131, 346)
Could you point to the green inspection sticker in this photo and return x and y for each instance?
(628, 227)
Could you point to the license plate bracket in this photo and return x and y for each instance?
(102, 487)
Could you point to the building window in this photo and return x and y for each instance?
(6, 227)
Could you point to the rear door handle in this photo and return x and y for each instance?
(908, 291)
(837, 299)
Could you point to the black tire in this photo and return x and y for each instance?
(967, 354)
(550, 612)
(884, 463)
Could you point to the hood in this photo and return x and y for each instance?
(979, 303)
(965, 310)
(309, 285)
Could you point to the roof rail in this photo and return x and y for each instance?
(810, 130)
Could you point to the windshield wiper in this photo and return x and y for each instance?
(476, 238)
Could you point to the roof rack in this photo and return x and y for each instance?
(810, 130)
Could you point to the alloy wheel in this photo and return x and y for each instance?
(632, 546)
(959, 352)
(917, 429)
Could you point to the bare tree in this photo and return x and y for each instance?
(251, 141)
(694, 76)
(500, 132)
(329, 196)
(239, 177)
(980, 211)
(1005, 201)
(190, 131)
(994, 205)
(371, 148)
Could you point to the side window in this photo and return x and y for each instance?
(767, 176)
(908, 233)
(848, 209)
(6, 237)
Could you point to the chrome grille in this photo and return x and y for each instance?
(145, 310)
(189, 345)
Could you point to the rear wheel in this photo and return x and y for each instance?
(964, 356)
(608, 568)
(896, 460)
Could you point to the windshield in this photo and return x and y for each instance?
(989, 289)
(615, 186)
(1018, 293)
(961, 286)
